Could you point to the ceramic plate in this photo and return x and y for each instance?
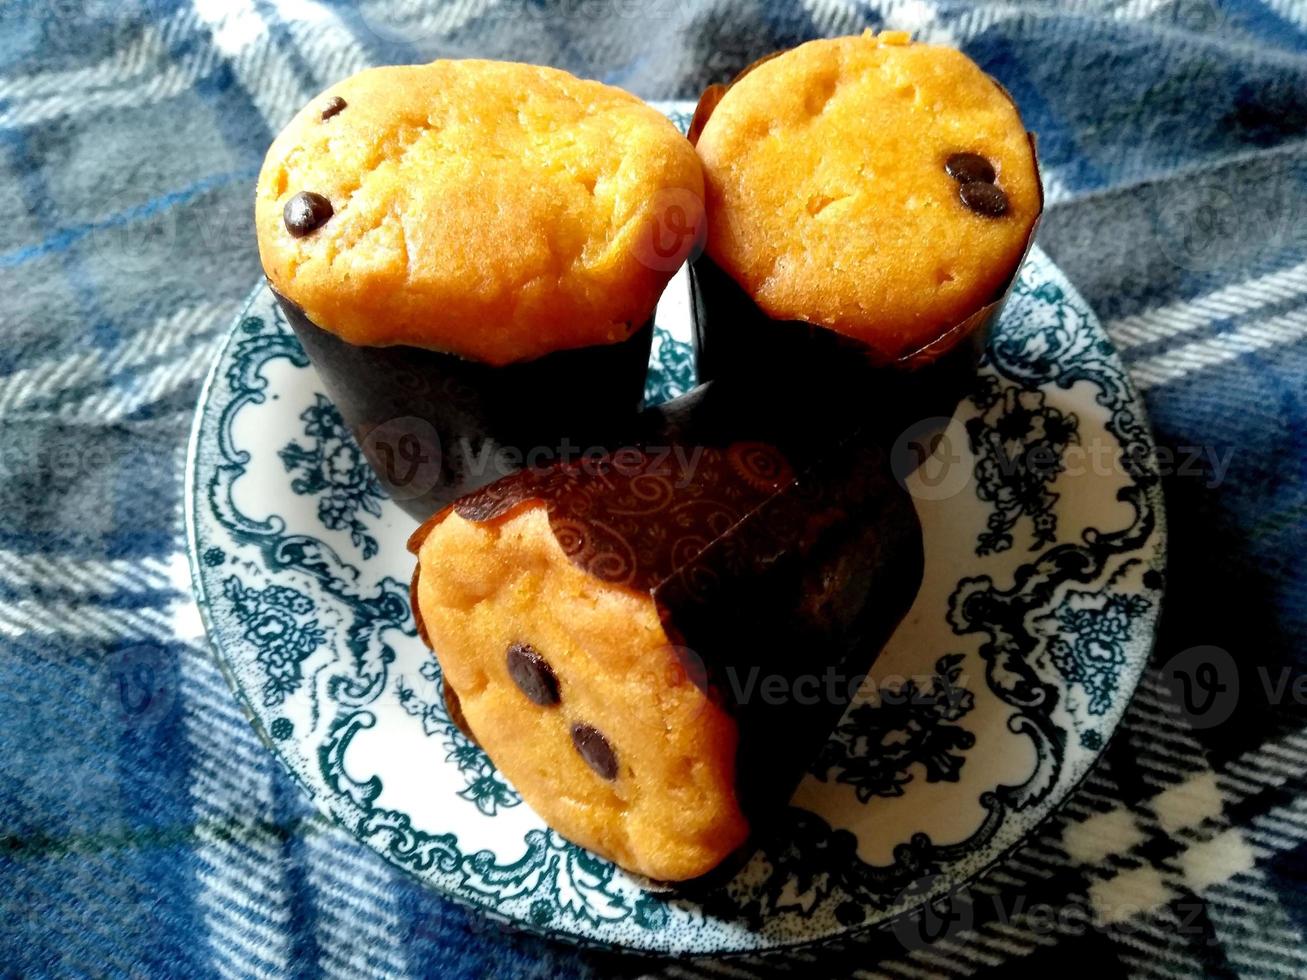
(1044, 535)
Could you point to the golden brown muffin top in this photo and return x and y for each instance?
(492, 210)
(827, 194)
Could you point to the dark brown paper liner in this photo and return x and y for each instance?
(824, 374)
(734, 338)
(455, 709)
(713, 94)
(435, 426)
(413, 593)
(770, 549)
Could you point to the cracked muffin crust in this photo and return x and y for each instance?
(884, 189)
(491, 210)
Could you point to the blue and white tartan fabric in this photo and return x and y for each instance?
(168, 843)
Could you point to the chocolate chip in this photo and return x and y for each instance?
(983, 198)
(595, 750)
(967, 167)
(306, 212)
(332, 106)
(532, 674)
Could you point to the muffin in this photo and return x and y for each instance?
(465, 249)
(865, 195)
(641, 642)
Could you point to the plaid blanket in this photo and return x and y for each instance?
(1174, 133)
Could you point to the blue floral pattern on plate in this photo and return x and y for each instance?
(987, 707)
